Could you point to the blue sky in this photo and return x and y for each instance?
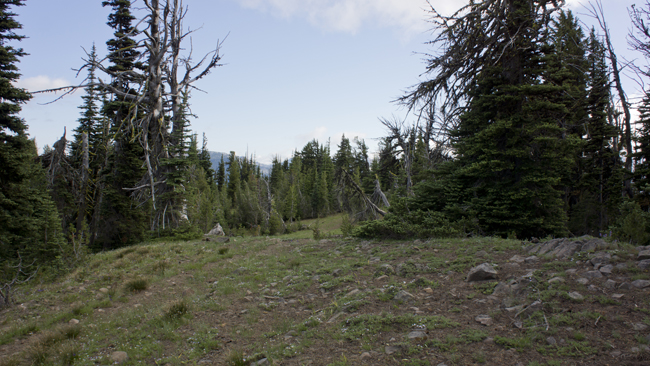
(294, 69)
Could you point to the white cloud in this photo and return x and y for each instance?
(41, 82)
(318, 133)
(350, 15)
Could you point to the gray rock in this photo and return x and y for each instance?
(217, 231)
(607, 269)
(610, 284)
(481, 273)
(240, 270)
(594, 244)
(403, 296)
(385, 269)
(480, 254)
(576, 296)
(600, 259)
(639, 327)
(119, 357)
(643, 255)
(566, 250)
(262, 362)
(592, 288)
(551, 341)
(365, 356)
(615, 354)
(337, 272)
(641, 283)
(626, 286)
(531, 260)
(623, 266)
(392, 349)
(556, 280)
(484, 319)
(582, 281)
(517, 259)
(73, 322)
(644, 264)
(593, 274)
(417, 336)
(571, 271)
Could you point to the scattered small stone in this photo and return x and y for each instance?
(484, 319)
(240, 270)
(273, 284)
(392, 349)
(515, 308)
(625, 286)
(517, 259)
(531, 260)
(103, 290)
(582, 281)
(381, 278)
(611, 284)
(639, 327)
(644, 254)
(593, 274)
(385, 269)
(480, 254)
(576, 296)
(641, 283)
(617, 296)
(262, 362)
(551, 341)
(607, 269)
(556, 280)
(428, 290)
(137, 305)
(333, 319)
(119, 357)
(571, 271)
(518, 324)
(481, 272)
(73, 321)
(417, 336)
(353, 292)
(615, 354)
(403, 296)
(635, 350)
(365, 356)
(592, 288)
(644, 264)
(337, 272)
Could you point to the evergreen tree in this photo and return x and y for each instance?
(30, 225)
(642, 155)
(123, 220)
(221, 175)
(234, 176)
(511, 154)
(89, 120)
(600, 170)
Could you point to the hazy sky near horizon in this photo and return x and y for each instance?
(293, 70)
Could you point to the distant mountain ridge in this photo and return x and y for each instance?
(215, 158)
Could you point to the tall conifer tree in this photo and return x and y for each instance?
(30, 225)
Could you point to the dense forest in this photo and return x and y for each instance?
(522, 129)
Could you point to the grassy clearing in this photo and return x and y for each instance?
(294, 300)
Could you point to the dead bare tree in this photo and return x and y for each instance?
(158, 92)
(369, 207)
(12, 276)
(596, 11)
(403, 135)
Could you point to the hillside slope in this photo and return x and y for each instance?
(334, 302)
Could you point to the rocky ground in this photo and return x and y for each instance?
(261, 301)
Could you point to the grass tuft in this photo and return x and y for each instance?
(136, 285)
(177, 310)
